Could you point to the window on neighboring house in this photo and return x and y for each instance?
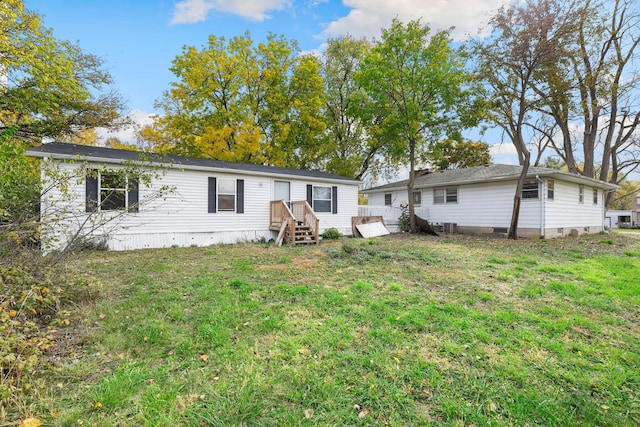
(323, 199)
(530, 189)
(226, 195)
(445, 195)
(550, 189)
(595, 196)
(110, 191)
(387, 199)
(581, 194)
(417, 198)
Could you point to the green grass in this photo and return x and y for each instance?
(390, 331)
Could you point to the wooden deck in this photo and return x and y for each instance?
(296, 225)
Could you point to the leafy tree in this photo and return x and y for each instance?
(238, 101)
(583, 91)
(347, 148)
(452, 154)
(415, 82)
(525, 40)
(51, 88)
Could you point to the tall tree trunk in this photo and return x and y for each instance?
(515, 214)
(412, 176)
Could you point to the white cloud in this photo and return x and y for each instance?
(127, 134)
(191, 11)
(367, 17)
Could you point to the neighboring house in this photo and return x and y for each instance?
(625, 218)
(186, 201)
(479, 200)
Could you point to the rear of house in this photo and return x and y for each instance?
(129, 200)
(480, 201)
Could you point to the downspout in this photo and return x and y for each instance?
(542, 207)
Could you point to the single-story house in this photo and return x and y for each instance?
(479, 200)
(616, 218)
(131, 200)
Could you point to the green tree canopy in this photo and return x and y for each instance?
(452, 154)
(49, 87)
(416, 85)
(238, 101)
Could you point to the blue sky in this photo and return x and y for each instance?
(137, 39)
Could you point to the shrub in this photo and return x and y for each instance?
(331, 234)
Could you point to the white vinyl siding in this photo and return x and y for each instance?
(182, 219)
(566, 211)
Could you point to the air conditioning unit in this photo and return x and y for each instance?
(449, 227)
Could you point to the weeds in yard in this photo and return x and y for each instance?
(392, 331)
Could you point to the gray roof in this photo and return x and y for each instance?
(489, 173)
(59, 150)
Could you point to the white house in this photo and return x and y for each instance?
(479, 200)
(132, 200)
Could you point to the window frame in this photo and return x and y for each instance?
(595, 196)
(530, 193)
(581, 194)
(417, 201)
(124, 187)
(315, 199)
(226, 195)
(390, 201)
(551, 189)
(445, 195)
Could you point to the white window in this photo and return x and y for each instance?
(110, 191)
(417, 198)
(581, 194)
(550, 189)
(322, 199)
(226, 194)
(445, 195)
(113, 192)
(387, 199)
(595, 196)
(530, 189)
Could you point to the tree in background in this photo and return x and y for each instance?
(238, 101)
(50, 87)
(452, 154)
(583, 91)
(525, 41)
(347, 148)
(415, 82)
(623, 197)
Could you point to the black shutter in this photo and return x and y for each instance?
(212, 195)
(240, 196)
(310, 194)
(334, 200)
(91, 193)
(133, 195)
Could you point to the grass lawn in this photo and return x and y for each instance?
(400, 330)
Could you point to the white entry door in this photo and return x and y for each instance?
(282, 191)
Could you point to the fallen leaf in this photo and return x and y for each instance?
(604, 406)
(308, 413)
(13, 313)
(492, 406)
(31, 422)
(364, 413)
(356, 407)
(204, 357)
(97, 405)
(303, 350)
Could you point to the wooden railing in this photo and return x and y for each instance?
(284, 219)
(281, 218)
(301, 209)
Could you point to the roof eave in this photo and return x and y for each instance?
(98, 159)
